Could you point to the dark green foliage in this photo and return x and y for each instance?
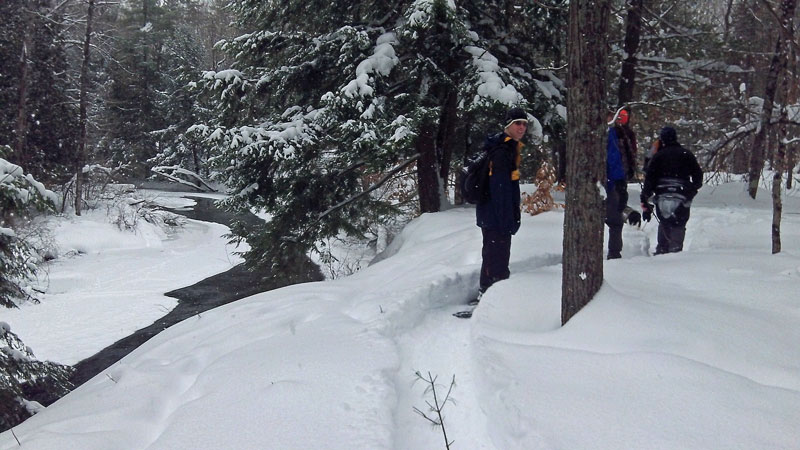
(137, 85)
(149, 105)
(323, 101)
(14, 268)
(19, 195)
(50, 137)
(23, 380)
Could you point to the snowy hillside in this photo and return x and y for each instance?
(696, 350)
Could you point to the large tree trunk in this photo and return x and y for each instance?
(633, 30)
(427, 169)
(778, 64)
(582, 268)
(80, 160)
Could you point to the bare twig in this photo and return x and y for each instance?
(16, 438)
(436, 406)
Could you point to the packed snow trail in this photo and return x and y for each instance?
(418, 319)
(441, 346)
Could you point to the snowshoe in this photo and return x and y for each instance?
(466, 314)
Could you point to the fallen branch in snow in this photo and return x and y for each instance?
(436, 406)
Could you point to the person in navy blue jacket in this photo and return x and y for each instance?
(674, 176)
(620, 164)
(499, 216)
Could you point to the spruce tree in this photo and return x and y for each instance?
(151, 47)
(25, 383)
(183, 156)
(323, 103)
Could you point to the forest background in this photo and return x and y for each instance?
(344, 121)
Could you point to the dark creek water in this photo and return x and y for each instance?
(214, 291)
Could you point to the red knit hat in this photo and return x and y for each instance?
(622, 117)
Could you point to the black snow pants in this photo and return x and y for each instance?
(496, 254)
(616, 201)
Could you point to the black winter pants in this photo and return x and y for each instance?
(496, 254)
(616, 201)
(672, 231)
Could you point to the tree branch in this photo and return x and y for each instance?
(787, 35)
(378, 184)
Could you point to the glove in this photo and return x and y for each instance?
(634, 218)
(647, 212)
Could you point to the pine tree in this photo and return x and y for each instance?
(151, 48)
(325, 102)
(25, 383)
(20, 194)
(184, 156)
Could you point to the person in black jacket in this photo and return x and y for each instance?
(499, 216)
(674, 176)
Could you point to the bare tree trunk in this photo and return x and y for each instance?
(740, 153)
(80, 161)
(759, 142)
(446, 136)
(464, 130)
(791, 152)
(783, 133)
(777, 203)
(427, 170)
(727, 20)
(633, 30)
(21, 128)
(582, 268)
(779, 61)
(560, 157)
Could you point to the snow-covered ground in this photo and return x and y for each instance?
(106, 284)
(696, 350)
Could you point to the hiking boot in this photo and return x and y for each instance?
(476, 300)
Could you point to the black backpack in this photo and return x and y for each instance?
(475, 179)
